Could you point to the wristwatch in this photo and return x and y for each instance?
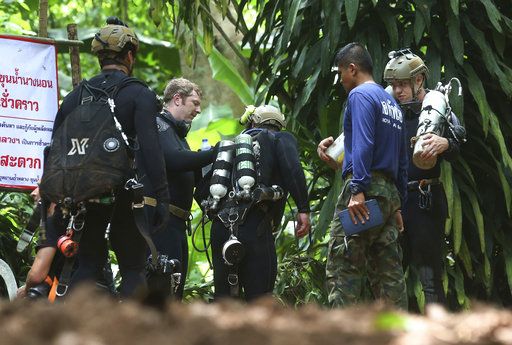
(355, 188)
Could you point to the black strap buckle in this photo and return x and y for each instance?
(137, 189)
(25, 239)
(425, 197)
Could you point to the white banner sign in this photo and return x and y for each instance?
(28, 105)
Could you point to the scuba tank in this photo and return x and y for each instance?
(245, 170)
(432, 120)
(221, 177)
(435, 112)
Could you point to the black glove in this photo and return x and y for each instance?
(161, 217)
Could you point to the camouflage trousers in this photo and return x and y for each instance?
(374, 254)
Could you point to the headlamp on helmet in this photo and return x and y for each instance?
(263, 115)
(403, 65)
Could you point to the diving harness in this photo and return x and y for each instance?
(233, 192)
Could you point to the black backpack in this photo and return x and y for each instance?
(89, 155)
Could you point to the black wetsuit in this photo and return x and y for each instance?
(424, 228)
(136, 106)
(182, 166)
(279, 165)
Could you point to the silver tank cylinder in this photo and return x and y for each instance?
(219, 190)
(245, 181)
(432, 120)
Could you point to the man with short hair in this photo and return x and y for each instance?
(116, 46)
(182, 103)
(374, 167)
(426, 208)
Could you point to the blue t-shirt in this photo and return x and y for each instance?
(375, 138)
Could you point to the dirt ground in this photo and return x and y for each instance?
(89, 319)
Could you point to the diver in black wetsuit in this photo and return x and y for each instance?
(182, 102)
(279, 165)
(136, 106)
(426, 209)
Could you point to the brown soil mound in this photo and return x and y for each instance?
(89, 319)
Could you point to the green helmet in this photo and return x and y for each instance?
(403, 65)
(114, 38)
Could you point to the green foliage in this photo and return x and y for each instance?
(15, 209)
(224, 71)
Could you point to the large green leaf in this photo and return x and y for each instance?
(464, 169)
(447, 179)
(487, 275)
(507, 192)
(498, 134)
(419, 26)
(500, 42)
(329, 206)
(435, 67)
(498, 168)
(488, 117)
(424, 6)
(224, 71)
(479, 219)
(390, 24)
(306, 92)
(507, 251)
(454, 5)
(465, 257)
(299, 62)
(418, 293)
(457, 219)
(291, 18)
(456, 40)
(332, 11)
(493, 14)
(459, 286)
(488, 56)
(375, 49)
(351, 8)
(477, 90)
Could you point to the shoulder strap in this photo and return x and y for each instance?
(124, 82)
(109, 90)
